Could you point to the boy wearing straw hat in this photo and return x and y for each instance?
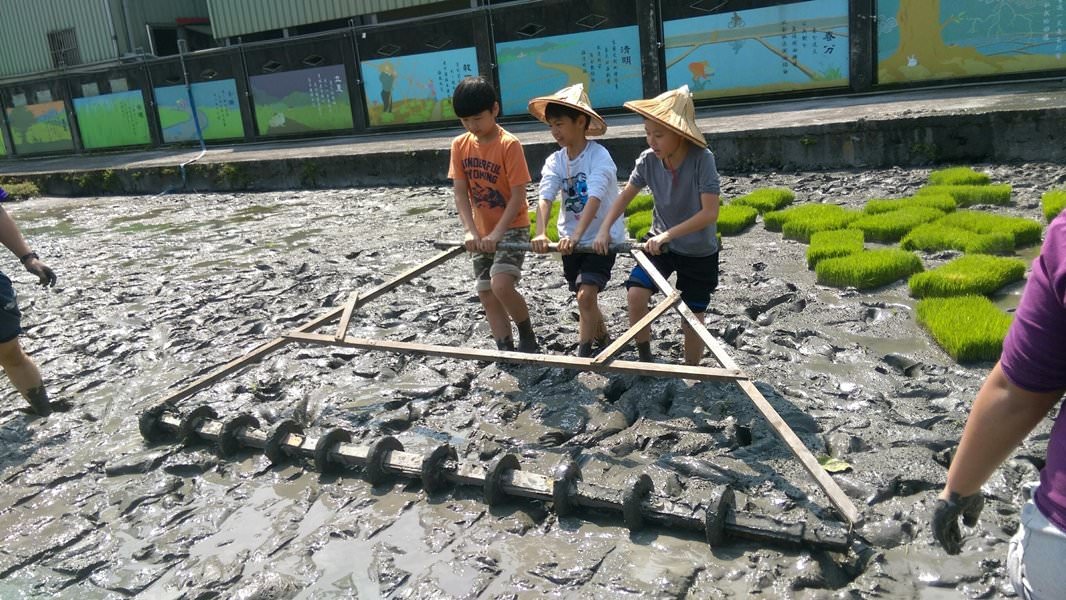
(489, 174)
(684, 182)
(584, 171)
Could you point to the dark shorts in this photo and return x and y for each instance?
(10, 315)
(697, 277)
(587, 269)
(486, 266)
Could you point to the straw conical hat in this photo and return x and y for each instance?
(575, 97)
(673, 109)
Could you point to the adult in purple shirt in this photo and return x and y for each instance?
(1021, 390)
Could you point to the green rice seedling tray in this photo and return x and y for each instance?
(934, 237)
(733, 219)
(941, 202)
(802, 227)
(775, 220)
(833, 244)
(1053, 202)
(1026, 232)
(969, 328)
(552, 230)
(958, 176)
(890, 227)
(972, 274)
(640, 203)
(638, 224)
(868, 269)
(969, 195)
(766, 199)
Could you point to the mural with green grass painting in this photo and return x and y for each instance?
(217, 110)
(303, 101)
(112, 120)
(415, 88)
(40, 128)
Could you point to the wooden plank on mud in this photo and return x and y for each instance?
(616, 346)
(346, 316)
(546, 360)
(780, 427)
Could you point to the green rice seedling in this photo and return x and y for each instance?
(891, 226)
(969, 328)
(969, 195)
(766, 199)
(801, 227)
(868, 269)
(1053, 203)
(640, 203)
(958, 176)
(1026, 232)
(934, 237)
(552, 230)
(638, 224)
(941, 202)
(774, 220)
(967, 275)
(733, 219)
(831, 244)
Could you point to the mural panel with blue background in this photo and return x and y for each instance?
(112, 120)
(416, 88)
(41, 127)
(302, 101)
(607, 62)
(798, 46)
(920, 40)
(217, 108)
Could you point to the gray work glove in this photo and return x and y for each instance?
(946, 519)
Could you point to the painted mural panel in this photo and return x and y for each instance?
(217, 110)
(919, 40)
(798, 46)
(112, 120)
(416, 88)
(302, 101)
(39, 128)
(3, 146)
(607, 62)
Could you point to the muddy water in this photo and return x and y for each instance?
(155, 290)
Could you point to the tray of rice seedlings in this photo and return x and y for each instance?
(969, 195)
(967, 275)
(831, 244)
(941, 202)
(1053, 202)
(958, 176)
(868, 269)
(552, 230)
(801, 227)
(766, 199)
(891, 226)
(733, 219)
(639, 203)
(775, 220)
(1026, 232)
(969, 328)
(934, 237)
(638, 224)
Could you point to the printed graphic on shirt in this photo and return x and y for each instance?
(481, 170)
(577, 193)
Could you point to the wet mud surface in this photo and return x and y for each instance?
(154, 291)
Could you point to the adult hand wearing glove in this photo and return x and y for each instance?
(946, 518)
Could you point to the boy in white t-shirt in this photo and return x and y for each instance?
(584, 171)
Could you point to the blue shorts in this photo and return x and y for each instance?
(697, 277)
(10, 315)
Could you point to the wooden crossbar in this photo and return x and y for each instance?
(837, 496)
(616, 346)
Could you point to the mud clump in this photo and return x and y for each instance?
(155, 291)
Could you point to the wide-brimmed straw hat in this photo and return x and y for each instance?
(672, 109)
(575, 97)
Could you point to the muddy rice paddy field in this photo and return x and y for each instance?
(155, 290)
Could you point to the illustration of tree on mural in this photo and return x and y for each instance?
(934, 45)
